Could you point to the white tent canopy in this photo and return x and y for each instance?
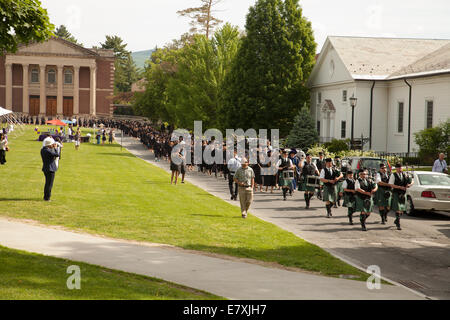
(4, 111)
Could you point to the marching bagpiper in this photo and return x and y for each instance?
(284, 164)
(384, 193)
(400, 182)
(339, 189)
(308, 169)
(329, 177)
(349, 195)
(364, 192)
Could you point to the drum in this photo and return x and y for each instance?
(313, 181)
(288, 175)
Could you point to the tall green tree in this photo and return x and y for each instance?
(63, 33)
(184, 81)
(126, 72)
(266, 86)
(195, 90)
(22, 22)
(304, 133)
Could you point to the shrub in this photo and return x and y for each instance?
(337, 146)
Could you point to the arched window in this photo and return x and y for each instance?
(68, 76)
(34, 75)
(51, 76)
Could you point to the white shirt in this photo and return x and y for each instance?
(234, 164)
(378, 178)
(279, 163)
(439, 166)
(344, 185)
(322, 173)
(3, 144)
(392, 178)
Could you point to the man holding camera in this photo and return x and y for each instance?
(49, 154)
(440, 165)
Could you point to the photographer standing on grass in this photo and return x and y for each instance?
(49, 154)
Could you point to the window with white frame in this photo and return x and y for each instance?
(344, 95)
(318, 127)
(34, 75)
(429, 114)
(319, 97)
(401, 107)
(68, 76)
(51, 76)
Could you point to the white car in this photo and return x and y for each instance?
(430, 192)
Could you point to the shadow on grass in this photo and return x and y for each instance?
(22, 199)
(129, 155)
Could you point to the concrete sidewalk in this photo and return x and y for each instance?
(230, 279)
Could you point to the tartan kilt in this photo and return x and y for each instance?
(347, 203)
(381, 200)
(329, 193)
(284, 183)
(396, 205)
(360, 205)
(304, 187)
(339, 187)
(302, 184)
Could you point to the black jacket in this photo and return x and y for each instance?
(48, 159)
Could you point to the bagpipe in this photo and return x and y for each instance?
(408, 180)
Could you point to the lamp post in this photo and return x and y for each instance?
(353, 102)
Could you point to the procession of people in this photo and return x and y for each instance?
(325, 179)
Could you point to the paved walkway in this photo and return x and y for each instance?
(231, 279)
(418, 257)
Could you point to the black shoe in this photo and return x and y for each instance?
(232, 197)
(350, 222)
(284, 199)
(382, 222)
(364, 228)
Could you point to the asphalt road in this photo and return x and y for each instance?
(417, 257)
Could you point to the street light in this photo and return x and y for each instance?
(353, 103)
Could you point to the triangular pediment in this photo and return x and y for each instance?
(55, 46)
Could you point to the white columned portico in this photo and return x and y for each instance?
(76, 90)
(93, 107)
(59, 99)
(8, 94)
(42, 91)
(25, 96)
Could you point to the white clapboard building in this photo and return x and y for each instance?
(402, 86)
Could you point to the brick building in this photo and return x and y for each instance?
(57, 78)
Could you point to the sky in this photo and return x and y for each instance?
(144, 24)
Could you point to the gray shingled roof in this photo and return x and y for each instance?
(384, 58)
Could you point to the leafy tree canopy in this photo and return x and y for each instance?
(22, 22)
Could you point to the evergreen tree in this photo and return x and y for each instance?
(126, 72)
(63, 33)
(266, 86)
(304, 133)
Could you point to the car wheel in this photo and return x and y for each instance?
(410, 211)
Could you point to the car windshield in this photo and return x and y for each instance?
(434, 180)
(372, 163)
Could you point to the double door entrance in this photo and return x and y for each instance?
(51, 106)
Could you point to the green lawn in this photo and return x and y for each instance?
(28, 276)
(103, 190)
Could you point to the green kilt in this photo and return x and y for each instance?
(381, 199)
(302, 184)
(304, 187)
(329, 193)
(282, 182)
(347, 203)
(396, 205)
(339, 187)
(360, 205)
